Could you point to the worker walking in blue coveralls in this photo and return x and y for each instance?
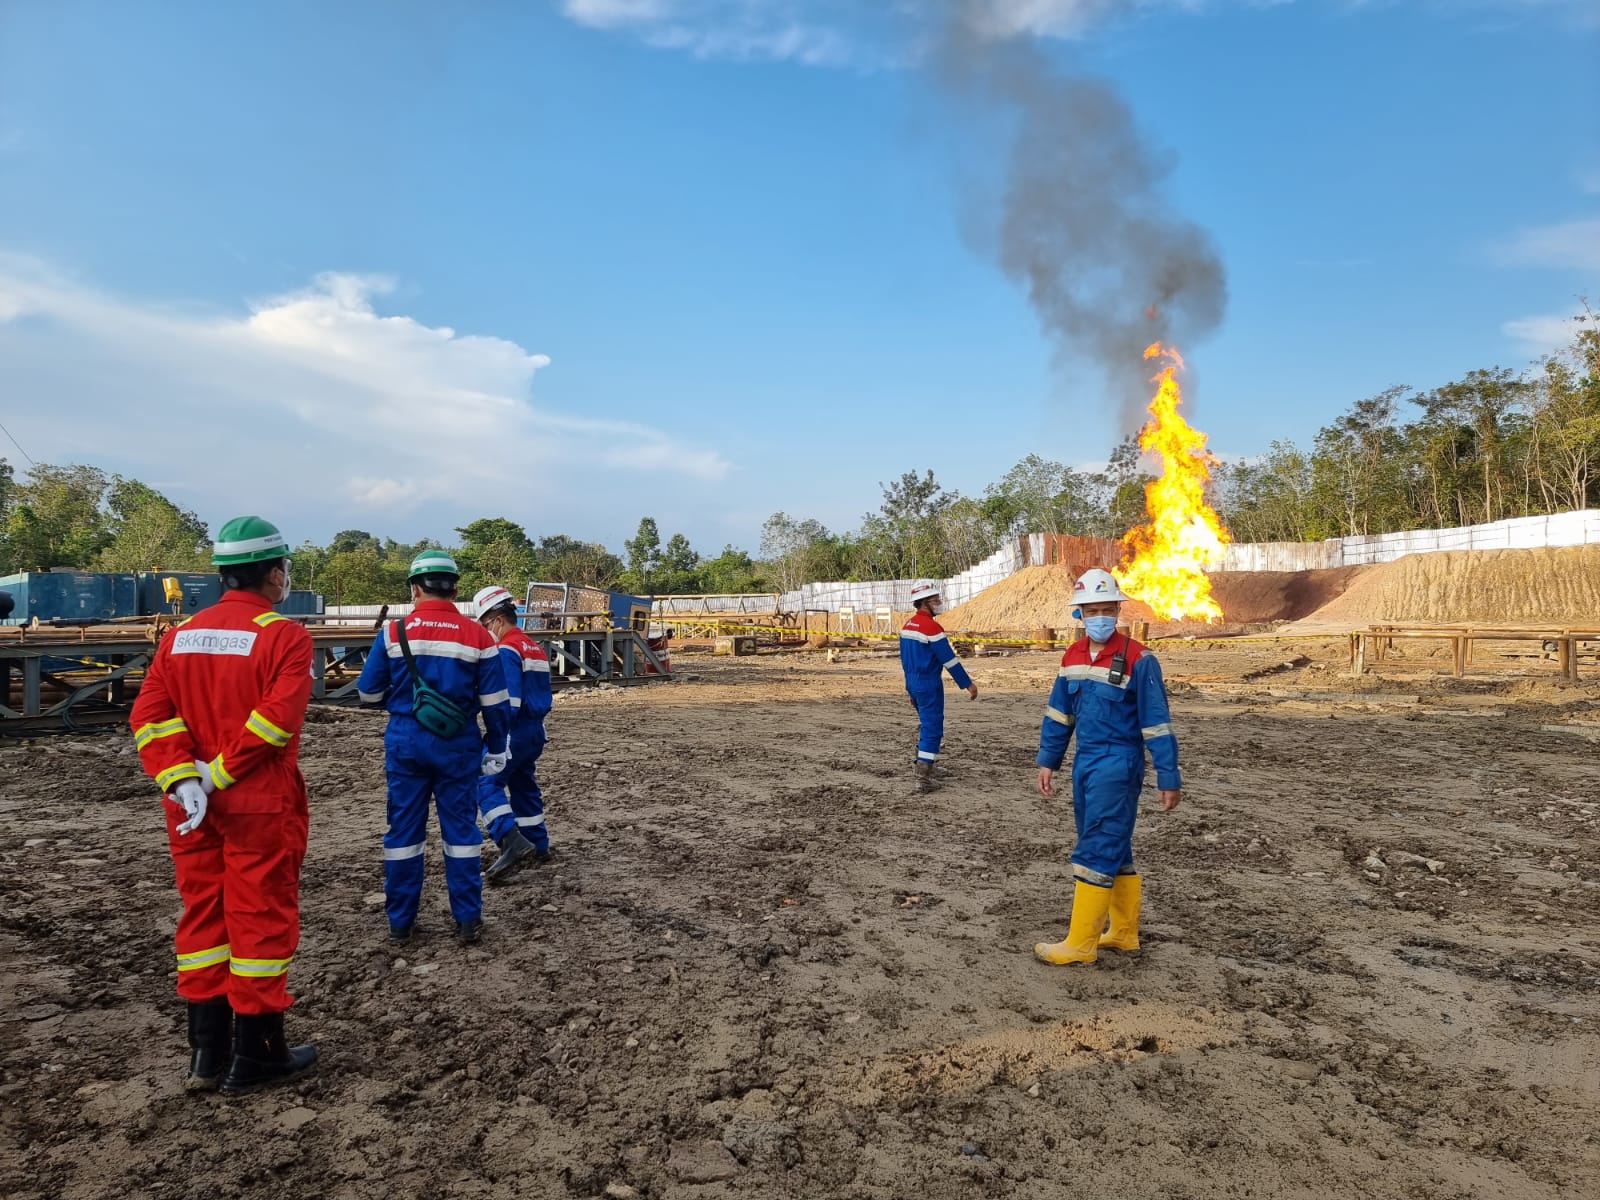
(1110, 692)
(437, 670)
(512, 802)
(925, 653)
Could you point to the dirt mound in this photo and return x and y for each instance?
(1256, 596)
(1546, 586)
(1041, 598)
(1033, 598)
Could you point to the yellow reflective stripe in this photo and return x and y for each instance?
(175, 775)
(196, 959)
(146, 734)
(260, 968)
(219, 774)
(266, 730)
(267, 618)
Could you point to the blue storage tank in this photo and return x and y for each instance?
(629, 612)
(198, 591)
(302, 604)
(71, 596)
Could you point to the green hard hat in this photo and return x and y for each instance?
(247, 540)
(434, 562)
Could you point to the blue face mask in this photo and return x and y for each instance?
(1100, 629)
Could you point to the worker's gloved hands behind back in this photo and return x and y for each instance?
(208, 781)
(192, 796)
(493, 764)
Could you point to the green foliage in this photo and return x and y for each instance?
(1488, 446)
(562, 559)
(680, 566)
(78, 516)
(150, 533)
(732, 571)
(56, 518)
(797, 552)
(495, 550)
(644, 559)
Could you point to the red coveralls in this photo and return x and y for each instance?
(230, 687)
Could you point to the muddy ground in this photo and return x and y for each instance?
(762, 967)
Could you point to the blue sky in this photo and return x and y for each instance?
(396, 265)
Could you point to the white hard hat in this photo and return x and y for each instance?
(490, 598)
(923, 589)
(1096, 587)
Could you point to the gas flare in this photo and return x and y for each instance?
(1164, 559)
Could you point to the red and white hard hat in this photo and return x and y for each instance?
(923, 589)
(490, 598)
(1096, 587)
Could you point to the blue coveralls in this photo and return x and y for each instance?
(512, 799)
(924, 652)
(1114, 723)
(456, 656)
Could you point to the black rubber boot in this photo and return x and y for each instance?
(925, 781)
(400, 934)
(262, 1055)
(513, 850)
(468, 932)
(210, 1039)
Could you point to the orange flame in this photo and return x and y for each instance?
(1164, 559)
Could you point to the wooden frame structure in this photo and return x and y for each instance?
(1372, 646)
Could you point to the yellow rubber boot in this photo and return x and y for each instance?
(1090, 905)
(1124, 931)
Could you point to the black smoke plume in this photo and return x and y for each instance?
(1081, 220)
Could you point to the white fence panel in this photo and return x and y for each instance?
(1281, 556)
(1563, 529)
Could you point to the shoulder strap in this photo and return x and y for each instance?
(405, 648)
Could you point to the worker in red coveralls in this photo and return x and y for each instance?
(217, 724)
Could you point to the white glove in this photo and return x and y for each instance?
(493, 764)
(192, 796)
(207, 779)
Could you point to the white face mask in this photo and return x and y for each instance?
(935, 608)
(287, 585)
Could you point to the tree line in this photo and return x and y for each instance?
(82, 518)
(1490, 445)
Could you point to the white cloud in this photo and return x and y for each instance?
(819, 33)
(1544, 334)
(852, 32)
(1571, 245)
(814, 46)
(314, 400)
(1001, 19)
(608, 14)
